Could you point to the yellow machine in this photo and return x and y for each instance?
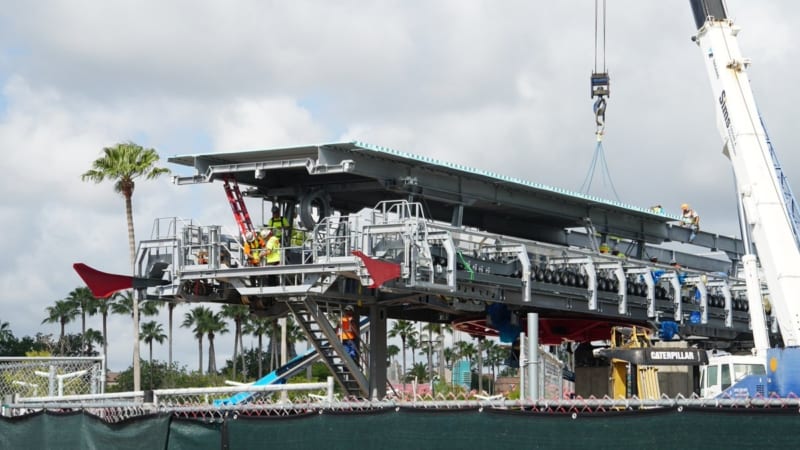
(628, 379)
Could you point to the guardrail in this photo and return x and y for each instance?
(167, 398)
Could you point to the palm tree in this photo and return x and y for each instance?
(239, 314)
(418, 371)
(152, 331)
(391, 351)
(482, 348)
(495, 355)
(122, 164)
(195, 318)
(432, 328)
(5, 331)
(414, 345)
(449, 355)
(404, 329)
(213, 324)
(123, 305)
(466, 350)
(62, 312)
(258, 327)
(91, 337)
(274, 343)
(87, 303)
(293, 335)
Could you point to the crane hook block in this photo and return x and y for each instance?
(601, 85)
(599, 108)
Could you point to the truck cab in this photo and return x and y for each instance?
(733, 376)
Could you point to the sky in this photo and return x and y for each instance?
(499, 86)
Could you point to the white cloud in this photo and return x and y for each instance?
(248, 124)
(502, 88)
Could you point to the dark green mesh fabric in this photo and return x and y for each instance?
(417, 429)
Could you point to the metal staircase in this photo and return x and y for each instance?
(323, 337)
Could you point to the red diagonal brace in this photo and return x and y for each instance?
(379, 271)
(103, 284)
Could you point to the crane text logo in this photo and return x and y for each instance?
(724, 107)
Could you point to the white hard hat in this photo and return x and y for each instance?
(265, 232)
(249, 236)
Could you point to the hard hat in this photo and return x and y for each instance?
(275, 209)
(249, 236)
(265, 232)
(685, 206)
(348, 308)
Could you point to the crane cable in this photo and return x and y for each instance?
(600, 90)
(597, 35)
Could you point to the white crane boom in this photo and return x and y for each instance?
(761, 196)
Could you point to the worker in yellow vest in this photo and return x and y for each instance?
(272, 249)
(277, 223)
(298, 233)
(272, 254)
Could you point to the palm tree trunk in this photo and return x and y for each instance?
(273, 346)
(430, 354)
(241, 351)
(260, 357)
(83, 330)
(171, 308)
(235, 346)
(441, 356)
(137, 380)
(480, 365)
(151, 364)
(105, 340)
(61, 339)
(403, 375)
(212, 359)
(200, 352)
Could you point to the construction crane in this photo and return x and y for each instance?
(764, 212)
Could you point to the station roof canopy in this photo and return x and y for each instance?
(355, 175)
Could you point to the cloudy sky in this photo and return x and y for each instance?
(501, 86)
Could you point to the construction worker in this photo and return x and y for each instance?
(272, 254)
(347, 332)
(272, 247)
(298, 232)
(277, 223)
(690, 219)
(657, 209)
(604, 248)
(254, 248)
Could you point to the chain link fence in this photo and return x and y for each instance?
(51, 376)
(221, 403)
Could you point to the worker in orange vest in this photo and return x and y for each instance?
(347, 332)
(254, 248)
